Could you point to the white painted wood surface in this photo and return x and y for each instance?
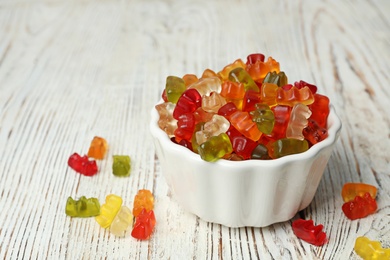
(70, 70)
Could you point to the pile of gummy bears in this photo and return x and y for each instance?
(245, 111)
(359, 202)
(112, 214)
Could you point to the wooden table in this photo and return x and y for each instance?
(70, 70)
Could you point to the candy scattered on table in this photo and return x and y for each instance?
(98, 148)
(82, 208)
(144, 225)
(258, 105)
(143, 200)
(351, 190)
(359, 200)
(122, 222)
(371, 250)
(109, 210)
(307, 231)
(360, 207)
(121, 165)
(82, 164)
(143, 211)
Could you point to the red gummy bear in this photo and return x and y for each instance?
(305, 230)
(302, 84)
(185, 127)
(144, 225)
(314, 133)
(251, 98)
(242, 146)
(82, 164)
(252, 58)
(188, 102)
(360, 207)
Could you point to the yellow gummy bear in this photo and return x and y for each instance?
(109, 210)
(370, 250)
(122, 221)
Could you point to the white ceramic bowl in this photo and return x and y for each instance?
(254, 193)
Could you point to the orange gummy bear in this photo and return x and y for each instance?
(224, 73)
(143, 200)
(98, 148)
(351, 190)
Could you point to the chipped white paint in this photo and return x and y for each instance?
(70, 70)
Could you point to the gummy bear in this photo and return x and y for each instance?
(217, 125)
(202, 116)
(253, 58)
(243, 146)
(174, 87)
(185, 127)
(121, 165)
(205, 86)
(233, 92)
(215, 148)
(260, 152)
(298, 121)
(189, 79)
(251, 98)
(286, 146)
(98, 148)
(208, 73)
(294, 96)
(144, 225)
(83, 207)
(282, 117)
(320, 109)
(143, 200)
(213, 102)
(269, 93)
(186, 143)
(239, 75)
(188, 102)
(194, 144)
(351, 190)
(259, 69)
(305, 230)
(371, 250)
(263, 117)
(302, 84)
(224, 73)
(227, 110)
(166, 122)
(277, 78)
(360, 207)
(242, 121)
(313, 133)
(109, 210)
(82, 164)
(122, 221)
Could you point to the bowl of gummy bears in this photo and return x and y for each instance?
(243, 146)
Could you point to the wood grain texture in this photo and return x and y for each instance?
(70, 70)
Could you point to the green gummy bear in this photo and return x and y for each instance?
(215, 148)
(240, 75)
(287, 146)
(121, 165)
(260, 153)
(279, 79)
(194, 143)
(174, 87)
(83, 207)
(263, 117)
